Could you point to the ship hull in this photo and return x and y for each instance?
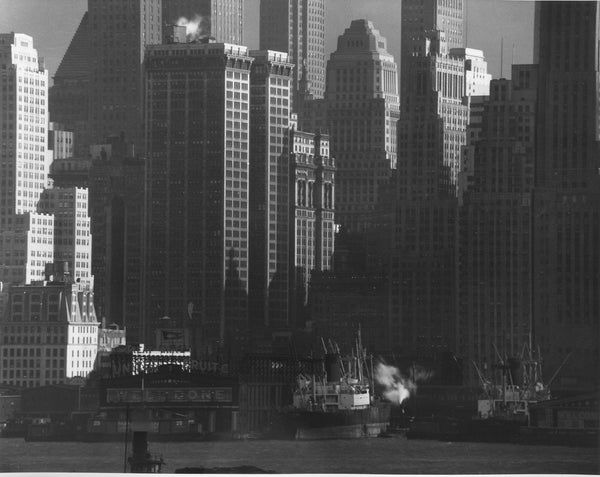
(351, 424)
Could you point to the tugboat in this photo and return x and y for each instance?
(340, 403)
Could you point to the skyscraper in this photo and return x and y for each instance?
(118, 35)
(297, 27)
(420, 16)
(494, 310)
(566, 266)
(69, 96)
(198, 107)
(222, 20)
(431, 133)
(270, 108)
(25, 235)
(362, 111)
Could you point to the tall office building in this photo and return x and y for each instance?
(198, 125)
(270, 108)
(297, 27)
(222, 20)
(431, 133)
(567, 191)
(69, 96)
(118, 35)
(420, 16)
(25, 235)
(494, 311)
(362, 111)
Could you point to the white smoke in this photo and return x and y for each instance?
(196, 27)
(397, 387)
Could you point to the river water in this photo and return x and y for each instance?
(374, 456)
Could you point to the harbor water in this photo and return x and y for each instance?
(374, 456)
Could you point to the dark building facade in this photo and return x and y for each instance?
(424, 222)
(297, 27)
(196, 224)
(118, 35)
(68, 98)
(495, 242)
(270, 109)
(567, 191)
(116, 203)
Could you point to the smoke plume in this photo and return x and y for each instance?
(397, 387)
(195, 28)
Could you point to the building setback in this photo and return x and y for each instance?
(362, 107)
(197, 207)
(49, 332)
(26, 236)
(297, 27)
(270, 108)
(567, 192)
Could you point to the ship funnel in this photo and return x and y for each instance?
(332, 368)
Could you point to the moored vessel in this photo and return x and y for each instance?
(339, 403)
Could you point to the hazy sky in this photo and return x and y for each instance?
(52, 24)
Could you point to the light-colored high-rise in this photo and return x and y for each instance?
(362, 111)
(26, 242)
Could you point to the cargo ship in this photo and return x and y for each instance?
(503, 408)
(340, 403)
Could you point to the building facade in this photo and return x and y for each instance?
(116, 204)
(297, 27)
(424, 223)
(362, 111)
(115, 66)
(49, 332)
(495, 243)
(566, 206)
(312, 221)
(196, 264)
(60, 141)
(25, 235)
(270, 109)
(71, 234)
(69, 96)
